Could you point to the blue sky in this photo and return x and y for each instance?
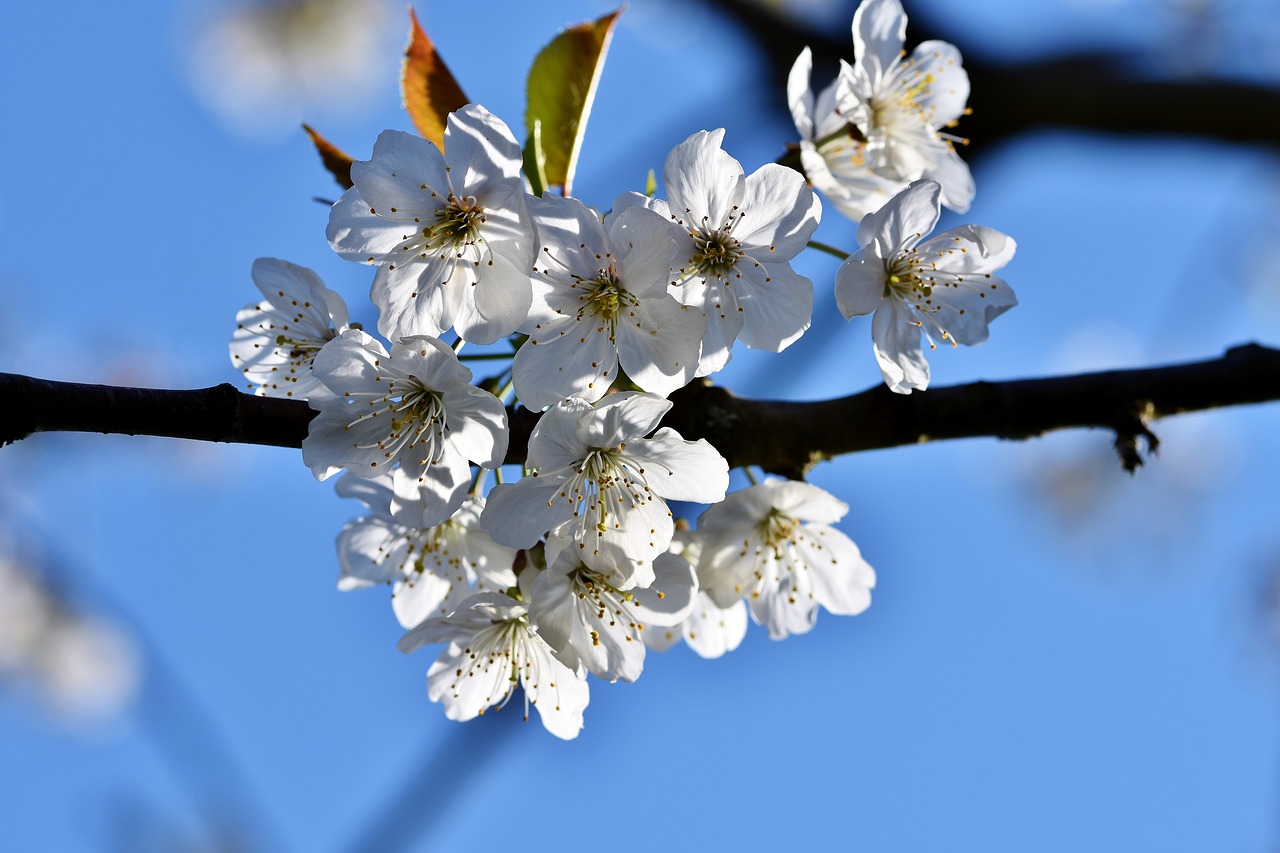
(1057, 657)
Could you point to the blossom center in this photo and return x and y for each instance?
(457, 226)
(418, 421)
(777, 531)
(605, 298)
(715, 253)
(907, 280)
(605, 485)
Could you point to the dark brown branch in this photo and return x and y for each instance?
(783, 437)
(787, 438)
(220, 413)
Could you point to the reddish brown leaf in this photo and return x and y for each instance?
(430, 93)
(337, 161)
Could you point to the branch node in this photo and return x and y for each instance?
(1129, 428)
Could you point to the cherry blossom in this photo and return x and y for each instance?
(709, 629)
(492, 649)
(588, 621)
(737, 235)
(412, 411)
(430, 569)
(901, 103)
(833, 151)
(599, 485)
(942, 287)
(602, 300)
(774, 544)
(276, 340)
(450, 233)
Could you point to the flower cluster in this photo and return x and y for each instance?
(579, 564)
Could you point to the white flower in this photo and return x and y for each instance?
(943, 286)
(832, 150)
(737, 235)
(492, 648)
(588, 621)
(900, 104)
(275, 340)
(601, 298)
(430, 569)
(598, 485)
(774, 544)
(412, 410)
(709, 629)
(450, 233)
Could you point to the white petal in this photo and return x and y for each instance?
(712, 631)
(658, 345)
(947, 89)
(777, 305)
(897, 347)
(623, 417)
(681, 470)
(860, 284)
(702, 181)
(879, 30)
(670, 598)
(519, 514)
(904, 219)
(564, 360)
(842, 579)
(477, 425)
(479, 147)
(559, 694)
(780, 213)
(799, 95)
(428, 495)
(956, 179)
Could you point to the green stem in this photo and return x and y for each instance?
(485, 356)
(830, 250)
(477, 482)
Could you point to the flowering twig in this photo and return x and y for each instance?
(781, 437)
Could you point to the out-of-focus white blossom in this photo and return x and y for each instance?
(263, 66)
(83, 668)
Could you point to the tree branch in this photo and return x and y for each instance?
(785, 438)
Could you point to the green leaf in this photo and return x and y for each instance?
(561, 87)
(535, 161)
(430, 92)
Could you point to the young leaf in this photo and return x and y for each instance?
(562, 84)
(337, 161)
(535, 161)
(430, 93)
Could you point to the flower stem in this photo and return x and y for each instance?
(830, 250)
(485, 356)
